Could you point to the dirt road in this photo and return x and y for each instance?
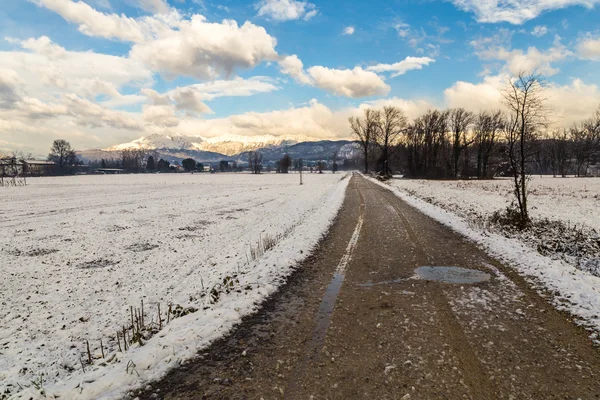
(355, 322)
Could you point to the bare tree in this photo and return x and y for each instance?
(255, 159)
(487, 127)
(586, 142)
(63, 155)
(365, 129)
(560, 152)
(528, 114)
(427, 144)
(459, 121)
(388, 134)
(133, 160)
(285, 163)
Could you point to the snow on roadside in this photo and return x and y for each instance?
(573, 290)
(573, 201)
(77, 252)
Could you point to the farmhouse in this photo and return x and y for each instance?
(38, 168)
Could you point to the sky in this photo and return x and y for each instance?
(103, 72)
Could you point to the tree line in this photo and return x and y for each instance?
(458, 144)
(455, 143)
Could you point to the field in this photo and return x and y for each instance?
(78, 252)
(573, 201)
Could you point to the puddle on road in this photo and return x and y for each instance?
(326, 310)
(452, 274)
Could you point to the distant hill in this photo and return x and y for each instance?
(178, 147)
(321, 150)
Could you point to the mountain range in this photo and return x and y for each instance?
(229, 147)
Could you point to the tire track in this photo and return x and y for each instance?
(472, 368)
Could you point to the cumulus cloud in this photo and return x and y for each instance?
(292, 66)
(313, 120)
(349, 30)
(206, 50)
(95, 23)
(402, 67)
(286, 10)
(44, 46)
(588, 47)
(33, 109)
(90, 114)
(571, 103)
(191, 98)
(349, 82)
(9, 80)
(154, 6)
(515, 11)
(237, 87)
(476, 96)
(411, 108)
(172, 45)
(48, 69)
(539, 31)
(497, 48)
(160, 116)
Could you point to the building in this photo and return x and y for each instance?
(110, 170)
(39, 168)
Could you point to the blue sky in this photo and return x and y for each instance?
(103, 72)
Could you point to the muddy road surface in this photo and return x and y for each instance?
(372, 316)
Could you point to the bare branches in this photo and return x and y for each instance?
(388, 134)
(365, 129)
(255, 160)
(528, 111)
(459, 121)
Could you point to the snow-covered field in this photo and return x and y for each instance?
(77, 252)
(575, 201)
(465, 206)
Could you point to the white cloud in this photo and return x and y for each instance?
(49, 70)
(402, 67)
(403, 29)
(571, 103)
(292, 66)
(42, 45)
(286, 10)
(154, 6)
(411, 108)
(237, 87)
(174, 46)
(191, 98)
(515, 11)
(95, 23)
(349, 82)
(349, 30)
(160, 116)
(355, 83)
(30, 108)
(9, 80)
(496, 48)
(206, 50)
(314, 120)
(589, 47)
(90, 114)
(539, 31)
(476, 97)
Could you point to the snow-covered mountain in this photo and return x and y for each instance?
(228, 145)
(232, 148)
(158, 141)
